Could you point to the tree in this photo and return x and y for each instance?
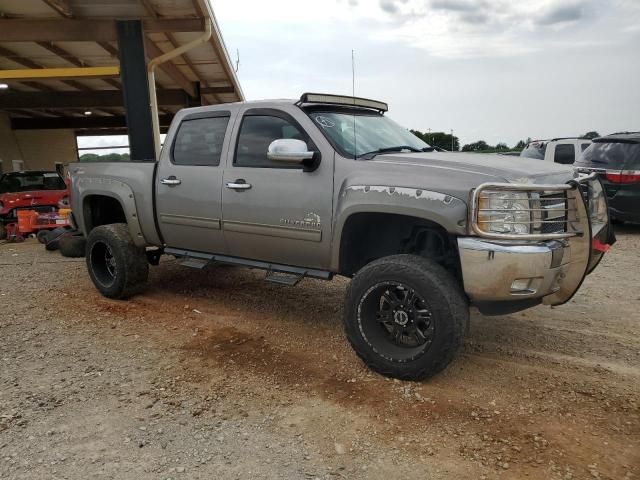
(520, 145)
(591, 135)
(89, 157)
(109, 157)
(478, 146)
(501, 147)
(438, 139)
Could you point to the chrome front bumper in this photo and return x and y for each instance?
(495, 271)
(551, 270)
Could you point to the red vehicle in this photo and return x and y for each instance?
(42, 191)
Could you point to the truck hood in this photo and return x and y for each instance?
(487, 168)
(455, 174)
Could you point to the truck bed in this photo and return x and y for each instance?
(132, 183)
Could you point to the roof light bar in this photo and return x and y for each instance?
(343, 100)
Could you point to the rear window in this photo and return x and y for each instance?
(612, 155)
(564, 154)
(534, 150)
(31, 181)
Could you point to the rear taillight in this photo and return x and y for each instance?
(623, 176)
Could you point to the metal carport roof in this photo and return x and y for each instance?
(63, 34)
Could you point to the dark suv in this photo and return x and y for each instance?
(616, 158)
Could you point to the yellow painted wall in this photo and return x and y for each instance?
(39, 149)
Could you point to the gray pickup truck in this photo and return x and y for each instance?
(329, 185)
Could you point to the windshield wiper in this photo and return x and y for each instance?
(397, 148)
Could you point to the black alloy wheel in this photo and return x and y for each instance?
(394, 313)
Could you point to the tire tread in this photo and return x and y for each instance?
(456, 301)
(136, 268)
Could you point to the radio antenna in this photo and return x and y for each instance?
(353, 74)
(353, 94)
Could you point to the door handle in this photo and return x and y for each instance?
(239, 184)
(170, 181)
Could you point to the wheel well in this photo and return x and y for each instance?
(102, 210)
(369, 236)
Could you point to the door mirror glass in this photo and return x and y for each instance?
(289, 150)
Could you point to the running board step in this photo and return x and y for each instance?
(290, 279)
(276, 273)
(198, 263)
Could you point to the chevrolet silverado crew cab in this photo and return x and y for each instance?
(329, 185)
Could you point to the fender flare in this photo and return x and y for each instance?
(445, 210)
(119, 191)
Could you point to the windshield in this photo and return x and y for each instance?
(534, 150)
(30, 181)
(354, 135)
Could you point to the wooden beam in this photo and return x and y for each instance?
(75, 30)
(72, 59)
(34, 113)
(62, 53)
(113, 51)
(170, 69)
(60, 73)
(14, 57)
(81, 122)
(26, 62)
(60, 6)
(216, 90)
(110, 131)
(151, 11)
(83, 99)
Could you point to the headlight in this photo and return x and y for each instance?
(504, 212)
(63, 202)
(597, 203)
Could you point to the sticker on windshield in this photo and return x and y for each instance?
(324, 122)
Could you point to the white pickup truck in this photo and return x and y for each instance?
(564, 151)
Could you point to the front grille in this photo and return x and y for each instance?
(553, 213)
(13, 214)
(40, 208)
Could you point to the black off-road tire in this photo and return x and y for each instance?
(437, 288)
(42, 236)
(54, 236)
(117, 267)
(72, 246)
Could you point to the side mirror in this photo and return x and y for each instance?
(289, 150)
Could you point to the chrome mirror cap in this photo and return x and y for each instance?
(289, 150)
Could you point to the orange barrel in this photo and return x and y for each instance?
(26, 219)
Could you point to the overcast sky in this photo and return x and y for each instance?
(492, 70)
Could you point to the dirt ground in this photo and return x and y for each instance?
(218, 374)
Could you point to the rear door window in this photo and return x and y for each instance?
(199, 141)
(612, 156)
(565, 154)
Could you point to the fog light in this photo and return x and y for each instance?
(525, 286)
